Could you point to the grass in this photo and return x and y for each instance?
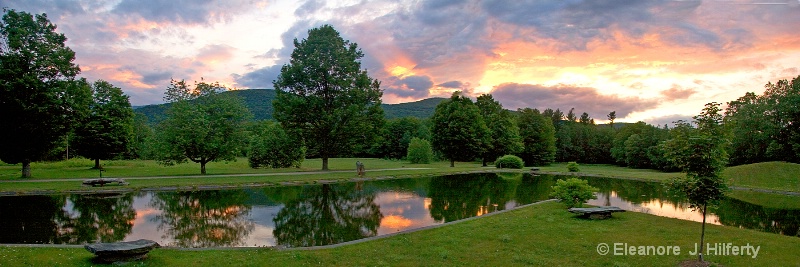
(542, 235)
(775, 175)
(775, 201)
(613, 171)
(341, 168)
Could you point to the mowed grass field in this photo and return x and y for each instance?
(60, 176)
(538, 235)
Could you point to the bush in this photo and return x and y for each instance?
(573, 192)
(509, 161)
(419, 151)
(573, 167)
(272, 147)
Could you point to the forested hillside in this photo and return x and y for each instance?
(259, 101)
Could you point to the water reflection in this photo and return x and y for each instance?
(203, 218)
(314, 215)
(462, 196)
(327, 214)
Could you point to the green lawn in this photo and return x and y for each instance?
(540, 235)
(613, 171)
(768, 175)
(341, 169)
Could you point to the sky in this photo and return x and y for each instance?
(652, 61)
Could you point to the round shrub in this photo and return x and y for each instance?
(573, 192)
(419, 151)
(509, 161)
(573, 167)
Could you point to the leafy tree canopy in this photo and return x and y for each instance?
(38, 97)
(108, 128)
(325, 97)
(458, 129)
(210, 128)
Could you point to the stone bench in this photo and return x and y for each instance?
(596, 213)
(104, 181)
(121, 251)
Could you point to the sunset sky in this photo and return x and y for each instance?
(656, 61)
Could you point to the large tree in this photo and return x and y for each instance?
(503, 130)
(107, 130)
(701, 155)
(203, 125)
(325, 97)
(37, 88)
(458, 130)
(538, 137)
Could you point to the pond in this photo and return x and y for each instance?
(313, 215)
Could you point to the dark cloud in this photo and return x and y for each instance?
(677, 92)
(159, 77)
(181, 11)
(583, 99)
(260, 78)
(576, 23)
(412, 86)
(451, 84)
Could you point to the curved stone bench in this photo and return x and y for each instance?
(121, 251)
(596, 213)
(104, 181)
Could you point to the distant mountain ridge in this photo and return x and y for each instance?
(259, 101)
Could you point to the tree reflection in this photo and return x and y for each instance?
(31, 219)
(99, 218)
(204, 218)
(327, 214)
(456, 197)
(734, 212)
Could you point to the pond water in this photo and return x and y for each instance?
(314, 215)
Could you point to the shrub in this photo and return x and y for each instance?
(419, 151)
(573, 166)
(573, 192)
(272, 147)
(509, 161)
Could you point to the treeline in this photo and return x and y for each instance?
(333, 109)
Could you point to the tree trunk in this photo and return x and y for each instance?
(484, 162)
(26, 169)
(702, 234)
(325, 163)
(97, 164)
(202, 167)
(452, 163)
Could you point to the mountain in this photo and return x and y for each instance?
(259, 101)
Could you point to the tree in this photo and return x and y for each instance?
(270, 146)
(325, 97)
(611, 117)
(573, 192)
(397, 134)
(503, 130)
(202, 125)
(107, 130)
(38, 95)
(419, 151)
(458, 130)
(538, 137)
(701, 155)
